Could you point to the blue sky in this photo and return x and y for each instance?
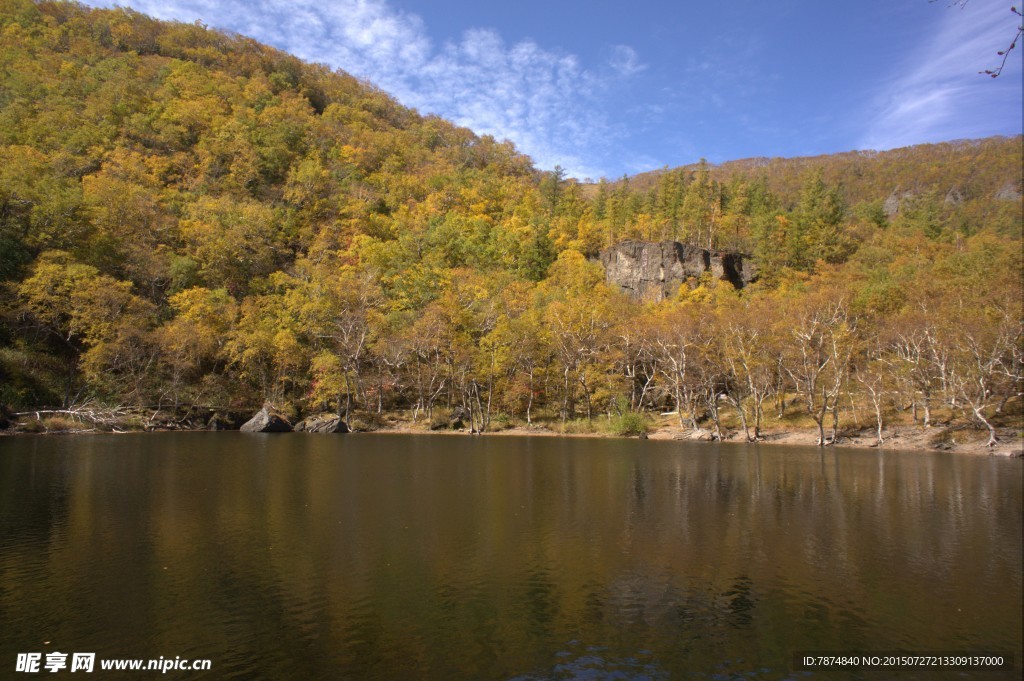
(610, 88)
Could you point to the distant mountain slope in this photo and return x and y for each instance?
(966, 186)
(964, 169)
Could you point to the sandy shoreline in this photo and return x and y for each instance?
(904, 438)
(897, 438)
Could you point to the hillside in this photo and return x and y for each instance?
(192, 222)
(962, 170)
(965, 182)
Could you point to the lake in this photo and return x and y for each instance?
(455, 557)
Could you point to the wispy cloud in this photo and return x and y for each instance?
(542, 99)
(626, 61)
(938, 93)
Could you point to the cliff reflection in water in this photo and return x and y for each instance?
(445, 557)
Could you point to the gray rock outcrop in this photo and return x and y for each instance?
(266, 421)
(895, 201)
(954, 197)
(1009, 192)
(646, 270)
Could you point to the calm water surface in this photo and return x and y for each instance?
(430, 557)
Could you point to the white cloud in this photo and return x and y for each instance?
(626, 61)
(938, 93)
(541, 99)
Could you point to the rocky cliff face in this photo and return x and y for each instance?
(648, 270)
(1009, 192)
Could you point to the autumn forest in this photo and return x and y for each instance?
(193, 225)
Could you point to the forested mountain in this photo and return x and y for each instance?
(957, 186)
(964, 170)
(191, 219)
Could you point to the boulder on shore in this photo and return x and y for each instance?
(701, 435)
(266, 421)
(322, 423)
(222, 421)
(457, 421)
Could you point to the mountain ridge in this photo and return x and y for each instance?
(847, 163)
